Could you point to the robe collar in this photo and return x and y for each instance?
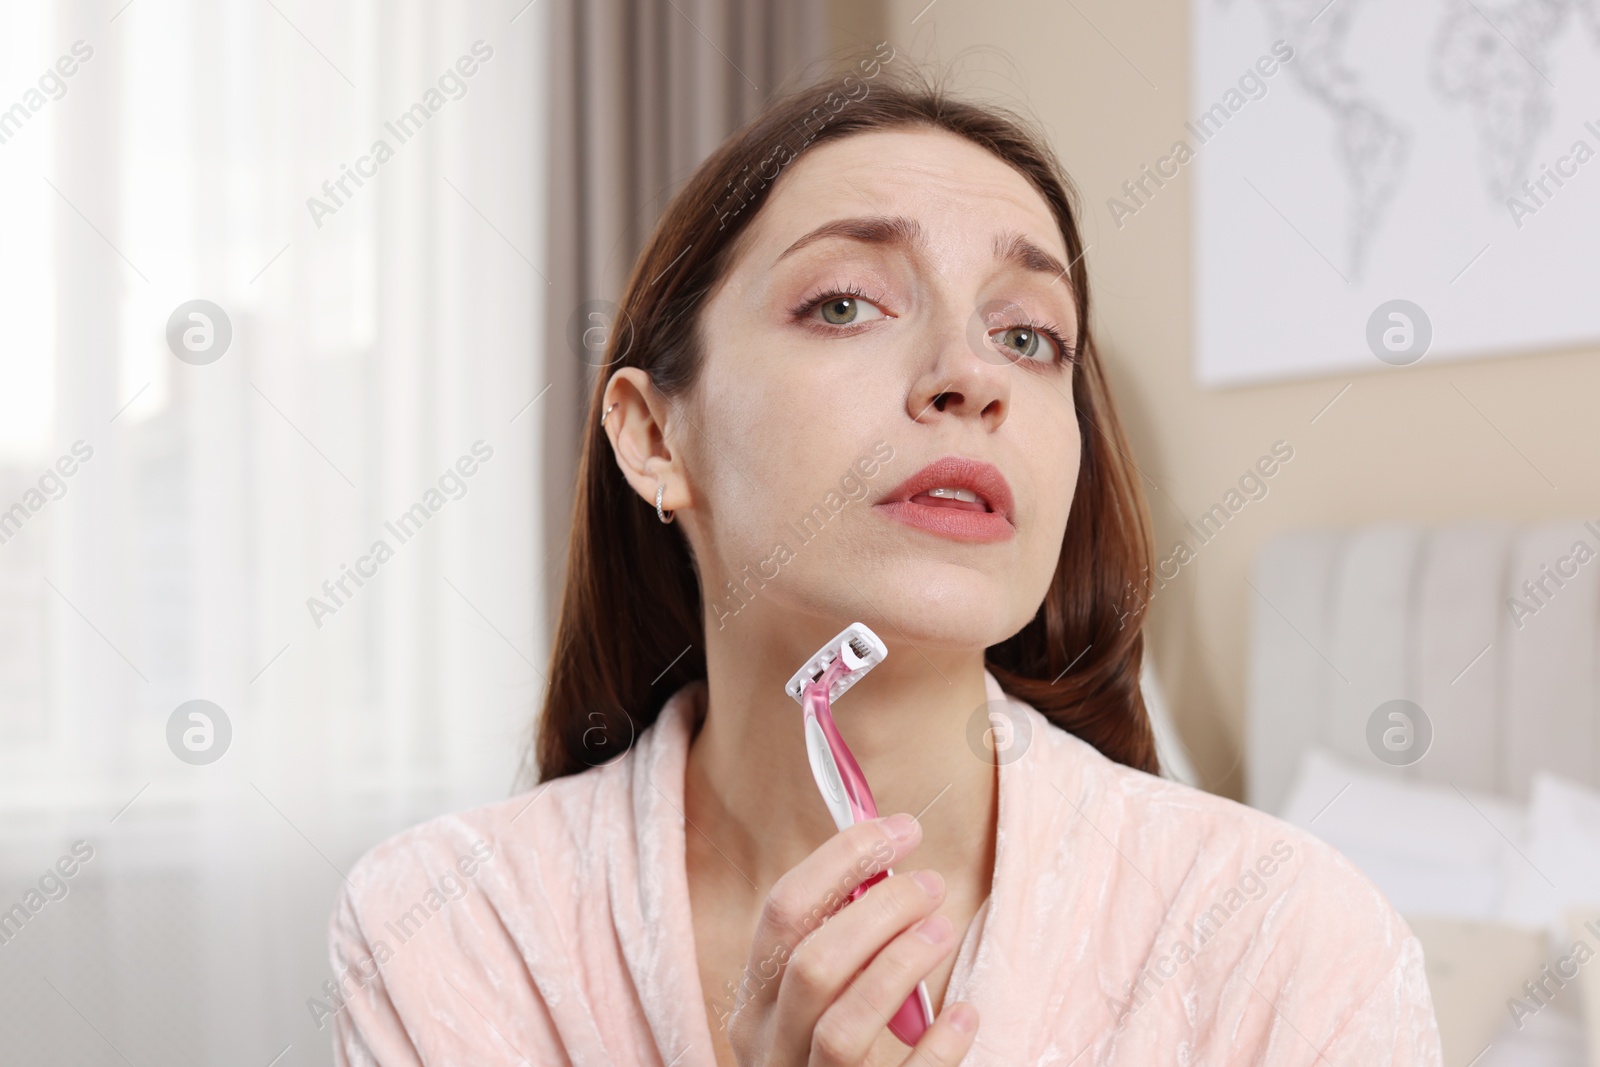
(656, 929)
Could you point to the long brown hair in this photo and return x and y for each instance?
(631, 600)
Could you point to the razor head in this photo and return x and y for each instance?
(862, 650)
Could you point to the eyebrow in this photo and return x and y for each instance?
(1011, 248)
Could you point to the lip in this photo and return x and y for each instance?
(955, 472)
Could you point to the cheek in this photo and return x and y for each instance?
(760, 443)
(1055, 480)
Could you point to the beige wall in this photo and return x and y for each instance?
(1436, 441)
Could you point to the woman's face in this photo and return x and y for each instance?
(838, 365)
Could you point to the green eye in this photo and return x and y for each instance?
(1024, 341)
(840, 307)
(840, 311)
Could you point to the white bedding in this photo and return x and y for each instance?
(1491, 887)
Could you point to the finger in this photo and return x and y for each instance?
(813, 890)
(858, 1015)
(868, 941)
(947, 1040)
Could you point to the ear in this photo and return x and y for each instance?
(641, 430)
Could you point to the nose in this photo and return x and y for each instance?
(961, 381)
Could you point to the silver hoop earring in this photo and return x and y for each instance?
(608, 411)
(661, 491)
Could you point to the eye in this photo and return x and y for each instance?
(1027, 340)
(844, 310)
(845, 306)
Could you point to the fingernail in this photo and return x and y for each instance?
(901, 827)
(934, 929)
(963, 1018)
(930, 881)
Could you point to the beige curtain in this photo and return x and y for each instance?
(641, 92)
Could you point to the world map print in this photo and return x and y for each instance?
(1436, 151)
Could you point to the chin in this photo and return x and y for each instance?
(935, 605)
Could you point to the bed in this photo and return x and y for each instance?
(1425, 699)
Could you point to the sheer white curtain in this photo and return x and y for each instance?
(379, 387)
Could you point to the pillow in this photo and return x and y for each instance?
(1431, 850)
(1562, 869)
(1494, 891)
(1452, 863)
(1474, 968)
(1585, 925)
(1558, 888)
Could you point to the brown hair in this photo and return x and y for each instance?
(631, 600)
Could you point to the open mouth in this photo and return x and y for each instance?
(961, 499)
(954, 497)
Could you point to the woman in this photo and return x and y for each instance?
(852, 379)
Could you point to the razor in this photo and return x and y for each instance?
(837, 666)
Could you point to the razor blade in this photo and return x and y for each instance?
(862, 650)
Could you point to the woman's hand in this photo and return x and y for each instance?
(822, 1000)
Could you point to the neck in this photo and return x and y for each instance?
(749, 795)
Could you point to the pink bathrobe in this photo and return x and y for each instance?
(1132, 921)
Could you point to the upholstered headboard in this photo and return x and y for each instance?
(1489, 627)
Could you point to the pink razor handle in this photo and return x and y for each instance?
(849, 799)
